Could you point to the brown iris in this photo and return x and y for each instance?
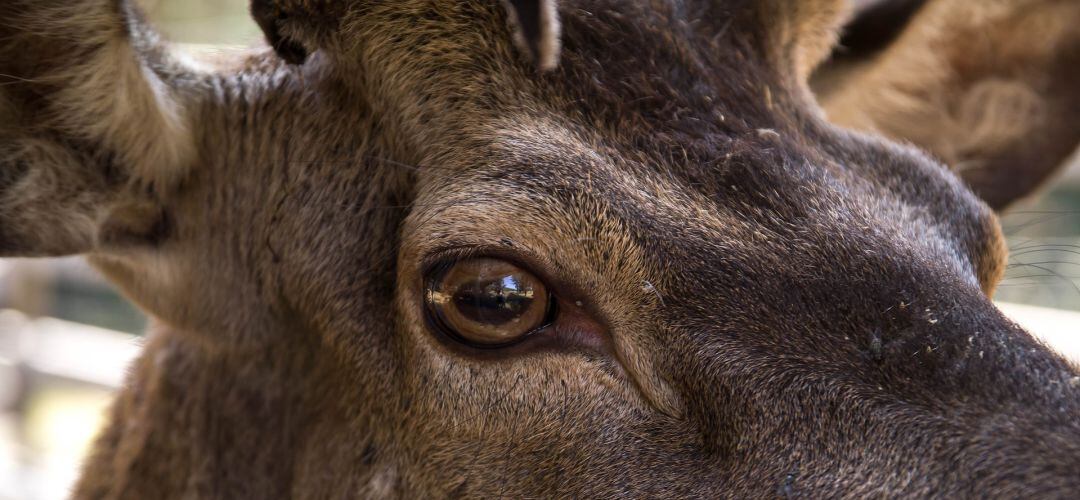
(487, 302)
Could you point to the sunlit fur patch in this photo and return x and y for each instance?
(993, 263)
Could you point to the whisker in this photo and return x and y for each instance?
(1043, 212)
(19, 79)
(1056, 274)
(1046, 263)
(1040, 250)
(1046, 246)
(1028, 276)
(1018, 228)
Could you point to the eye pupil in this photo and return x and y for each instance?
(487, 301)
(494, 302)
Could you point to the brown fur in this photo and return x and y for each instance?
(754, 301)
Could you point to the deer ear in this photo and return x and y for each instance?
(295, 28)
(91, 138)
(991, 88)
(536, 30)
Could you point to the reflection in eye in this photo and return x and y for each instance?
(487, 302)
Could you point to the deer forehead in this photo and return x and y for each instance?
(432, 67)
(624, 213)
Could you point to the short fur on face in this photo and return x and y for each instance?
(753, 300)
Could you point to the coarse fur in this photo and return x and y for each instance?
(754, 300)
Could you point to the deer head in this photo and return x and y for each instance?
(599, 248)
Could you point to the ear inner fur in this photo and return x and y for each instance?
(537, 29)
(988, 88)
(93, 109)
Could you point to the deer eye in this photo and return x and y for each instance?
(487, 302)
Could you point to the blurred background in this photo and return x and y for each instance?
(66, 337)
